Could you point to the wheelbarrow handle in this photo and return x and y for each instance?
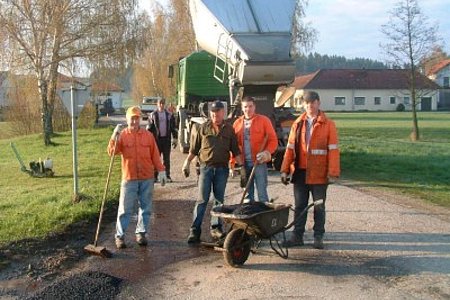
(304, 211)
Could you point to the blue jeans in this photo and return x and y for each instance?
(301, 195)
(259, 180)
(209, 178)
(130, 192)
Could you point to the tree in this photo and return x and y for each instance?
(304, 36)
(43, 36)
(409, 39)
(171, 35)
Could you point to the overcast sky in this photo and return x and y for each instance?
(352, 28)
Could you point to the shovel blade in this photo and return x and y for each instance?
(98, 250)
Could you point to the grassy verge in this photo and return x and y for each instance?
(376, 150)
(35, 207)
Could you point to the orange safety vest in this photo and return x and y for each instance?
(140, 154)
(321, 159)
(260, 128)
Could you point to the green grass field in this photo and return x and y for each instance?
(375, 150)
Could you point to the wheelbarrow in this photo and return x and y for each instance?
(247, 230)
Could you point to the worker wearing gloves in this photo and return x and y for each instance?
(257, 141)
(140, 159)
(212, 143)
(312, 157)
(161, 123)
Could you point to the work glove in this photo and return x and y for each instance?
(162, 178)
(284, 178)
(174, 143)
(332, 179)
(263, 156)
(231, 171)
(186, 168)
(116, 131)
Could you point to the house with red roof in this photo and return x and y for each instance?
(367, 89)
(440, 74)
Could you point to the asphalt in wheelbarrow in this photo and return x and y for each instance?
(260, 219)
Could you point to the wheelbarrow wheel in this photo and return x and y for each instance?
(237, 247)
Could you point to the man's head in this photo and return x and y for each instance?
(161, 104)
(248, 107)
(217, 112)
(311, 103)
(133, 116)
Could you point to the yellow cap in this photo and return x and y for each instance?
(133, 111)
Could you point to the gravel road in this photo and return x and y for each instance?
(378, 246)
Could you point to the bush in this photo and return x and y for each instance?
(400, 107)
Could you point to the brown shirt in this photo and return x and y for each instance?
(213, 148)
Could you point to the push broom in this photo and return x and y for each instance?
(94, 248)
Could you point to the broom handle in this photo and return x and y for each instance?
(252, 173)
(111, 162)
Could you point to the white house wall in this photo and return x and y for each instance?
(327, 99)
(439, 77)
(117, 100)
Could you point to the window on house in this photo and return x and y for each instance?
(392, 100)
(360, 100)
(406, 100)
(339, 100)
(377, 100)
(446, 82)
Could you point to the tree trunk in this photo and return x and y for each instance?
(46, 119)
(415, 130)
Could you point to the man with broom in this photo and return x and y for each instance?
(140, 158)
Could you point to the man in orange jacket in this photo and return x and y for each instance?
(140, 158)
(312, 156)
(257, 141)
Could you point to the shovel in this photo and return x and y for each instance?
(93, 248)
(252, 173)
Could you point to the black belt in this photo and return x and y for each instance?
(214, 165)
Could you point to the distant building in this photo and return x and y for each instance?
(82, 92)
(366, 90)
(440, 74)
(107, 92)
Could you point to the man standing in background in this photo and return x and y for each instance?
(161, 123)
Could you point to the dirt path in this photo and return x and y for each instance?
(377, 245)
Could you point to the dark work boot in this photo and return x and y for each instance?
(295, 240)
(194, 236)
(318, 242)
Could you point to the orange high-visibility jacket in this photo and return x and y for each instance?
(322, 158)
(140, 154)
(261, 126)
